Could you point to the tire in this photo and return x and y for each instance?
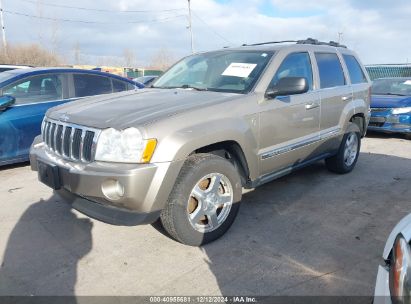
(408, 136)
(204, 201)
(346, 158)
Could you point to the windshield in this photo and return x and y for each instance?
(221, 71)
(400, 87)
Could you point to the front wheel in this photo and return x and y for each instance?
(204, 202)
(346, 158)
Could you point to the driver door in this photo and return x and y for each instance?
(289, 125)
(21, 122)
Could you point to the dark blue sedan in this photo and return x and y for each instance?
(391, 106)
(26, 95)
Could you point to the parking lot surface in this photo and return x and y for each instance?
(310, 233)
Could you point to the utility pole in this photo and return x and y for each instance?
(189, 26)
(2, 28)
(340, 35)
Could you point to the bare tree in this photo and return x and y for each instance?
(129, 57)
(162, 59)
(31, 54)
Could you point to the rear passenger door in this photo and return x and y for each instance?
(334, 91)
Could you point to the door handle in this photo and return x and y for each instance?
(312, 105)
(346, 98)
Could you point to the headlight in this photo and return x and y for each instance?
(125, 146)
(401, 110)
(400, 271)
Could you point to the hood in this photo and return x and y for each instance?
(403, 227)
(134, 108)
(390, 101)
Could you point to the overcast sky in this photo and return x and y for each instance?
(377, 30)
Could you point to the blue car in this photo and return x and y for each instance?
(391, 106)
(26, 95)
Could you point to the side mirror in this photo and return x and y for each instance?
(288, 86)
(6, 101)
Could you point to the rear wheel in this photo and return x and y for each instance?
(204, 202)
(346, 158)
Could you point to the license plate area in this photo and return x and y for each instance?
(49, 175)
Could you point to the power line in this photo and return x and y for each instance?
(210, 28)
(101, 10)
(95, 22)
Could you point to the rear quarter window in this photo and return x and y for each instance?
(330, 70)
(354, 69)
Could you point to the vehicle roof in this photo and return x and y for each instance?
(20, 73)
(290, 46)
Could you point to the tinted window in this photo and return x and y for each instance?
(331, 72)
(294, 65)
(36, 89)
(354, 69)
(119, 85)
(88, 85)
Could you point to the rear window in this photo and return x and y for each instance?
(89, 85)
(331, 72)
(354, 69)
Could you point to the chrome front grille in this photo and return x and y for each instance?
(70, 141)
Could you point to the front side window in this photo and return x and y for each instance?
(294, 65)
(221, 71)
(36, 89)
(354, 69)
(89, 85)
(330, 69)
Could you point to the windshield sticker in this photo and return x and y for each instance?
(237, 69)
(407, 82)
(264, 55)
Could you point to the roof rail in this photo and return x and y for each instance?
(316, 42)
(305, 41)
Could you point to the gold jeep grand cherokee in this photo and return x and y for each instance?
(216, 122)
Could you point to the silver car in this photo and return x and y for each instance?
(214, 123)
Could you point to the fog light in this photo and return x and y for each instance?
(112, 189)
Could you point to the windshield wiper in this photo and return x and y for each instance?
(187, 86)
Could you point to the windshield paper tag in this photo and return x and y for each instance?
(239, 69)
(407, 82)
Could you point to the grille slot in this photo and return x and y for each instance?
(70, 141)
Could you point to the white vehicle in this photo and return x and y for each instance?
(394, 278)
(8, 67)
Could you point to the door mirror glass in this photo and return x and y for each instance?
(288, 86)
(6, 101)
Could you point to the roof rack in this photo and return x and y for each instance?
(305, 41)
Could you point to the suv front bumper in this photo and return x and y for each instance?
(115, 193)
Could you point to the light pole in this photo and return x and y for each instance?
(189, 26)
(2, 28)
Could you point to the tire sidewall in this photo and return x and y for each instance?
(208, 165)
(357, 134)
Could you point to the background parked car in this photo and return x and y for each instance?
(391, 106)
(146, 80)
(394, 277)
(26, 95)
(8, 67)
